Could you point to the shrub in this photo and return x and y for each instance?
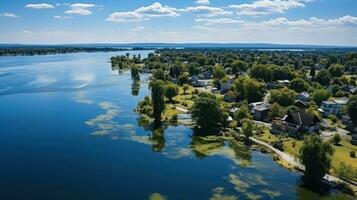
(352, 154)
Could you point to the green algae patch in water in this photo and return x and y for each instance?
(218, 194)
(157, 196)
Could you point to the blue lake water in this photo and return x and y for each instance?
(68, 131)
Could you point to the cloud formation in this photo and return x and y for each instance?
(203, 2)
(80, 9)
(144, 13)
(266, 7)
(40, 6)
(11, 15)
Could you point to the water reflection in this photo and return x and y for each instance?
(135, 88)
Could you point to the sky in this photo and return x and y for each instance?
(319, 22)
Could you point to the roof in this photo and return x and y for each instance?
(302, 118)
(262, 107)
(305, 94)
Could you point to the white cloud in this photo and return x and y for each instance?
(157, 10)
(40, 6)
(203, 2)
(82, 5)
(11, 15)
(144, 13)
(27, 32)
(80, 9)
(210, 21)
(125, 17)
(266, 7)
(137, 29)
(206, 11)
(62, 17)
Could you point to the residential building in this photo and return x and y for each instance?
(333, 107)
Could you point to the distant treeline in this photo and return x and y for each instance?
(29, 51)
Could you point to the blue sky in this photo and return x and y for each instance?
(326, 22)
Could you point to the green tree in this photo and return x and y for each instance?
(247, 129)
(207, 113)
(336, 139)
(249, 89)
(277, 110)
(320, 95)
(352, 109)
(238, 65)
(313, 72)
(193, 68)
(299, 85)
(185, 88)
(183, 79)
(336, 70)
(284, 96)
(315, 155)
(158, 101)
(323, 77)
(135, 73)
(218, 73)
(159, 74)
(171, 90)
(242, 113)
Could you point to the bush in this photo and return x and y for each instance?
(279, 145)
(352, 154)
(336, 139)
(294, 144)
(333, 118)
(174, 118)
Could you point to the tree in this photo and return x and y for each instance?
(158, 101)
(352, 109)
(135, 73)
(207, 113)
(238, 65)
(299, 85)
(171, 90)
(159, 74)
(323, 77)
(320, 95)
(315, 155)
(247, 129)
(277, 110)
(183, 79)
(249, 89)
(218, 73)
(284, 96)
(313, 72)
(242, 113)
(336, 70)
(185, 88)
(336, 139)
(193, 68)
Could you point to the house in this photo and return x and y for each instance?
(226, 85)
(295, 123)
(350, 89)
(196, 82)
(304, 96)
(283, 82)
(260, 110)
(333, 106)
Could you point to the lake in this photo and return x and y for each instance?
(68, 131)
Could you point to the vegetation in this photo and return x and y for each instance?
(284, 96)
(315, 155)
(207, 113)
(157, 97)
(171, 90)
